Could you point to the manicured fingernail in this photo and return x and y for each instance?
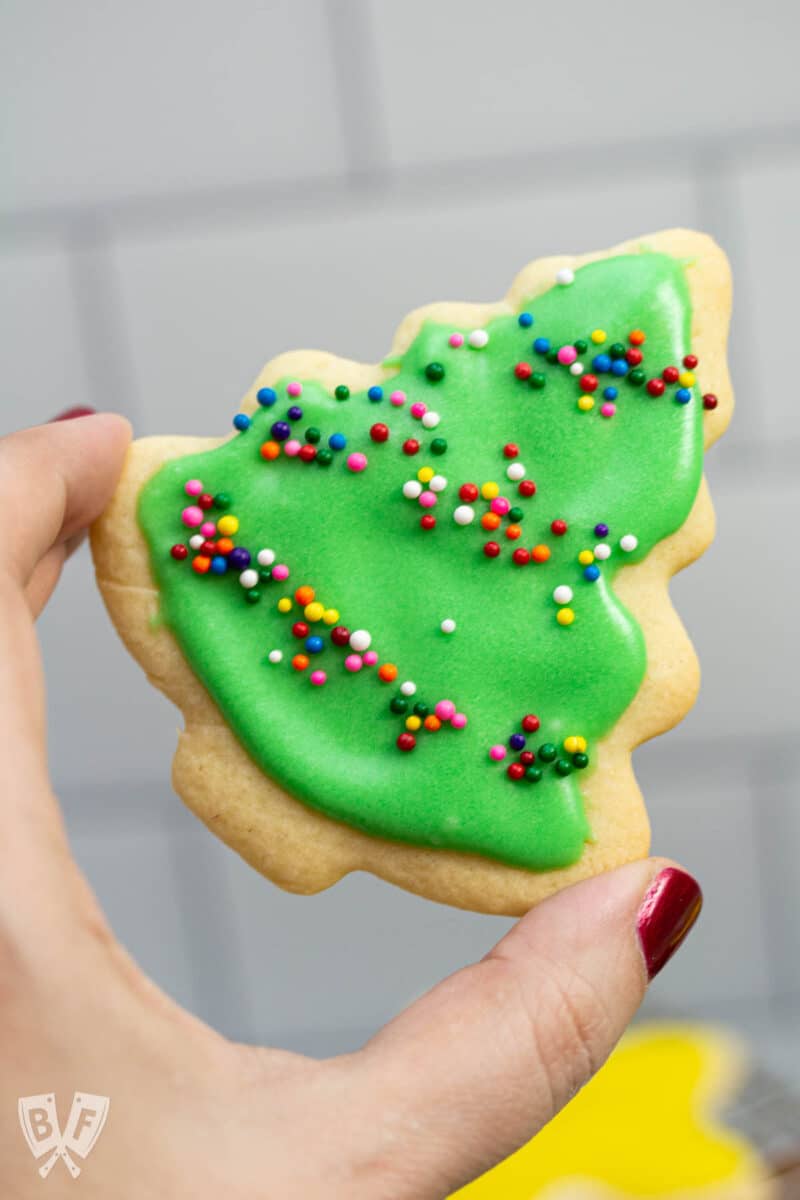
(69, 414)
(670, 908)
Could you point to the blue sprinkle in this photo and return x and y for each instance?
(601, 362)
(314, 644)
(592, 573)
(241, 422)
(375, 394)
(266, 396)
(541, 345)
(683, 395)
(337, 441)
(619, 367)
(525, 319)
(219, 565)
(610, 393)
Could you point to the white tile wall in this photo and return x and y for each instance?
(106, 102)
(44, 369)
(153, 158)
(521, 78)
(206, 310)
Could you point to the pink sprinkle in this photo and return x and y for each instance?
(608, 409)
(370, 658)
(193, 487)
(418, 409)
(208, 529)
(292, 447)
(445, 710)
(355, 462)
(318, 678)
(398, 399)
(458, 721)
(567, 355)
(192, 516)
(294, 389)
(353, 662)
(500, 506)
(428, 499)
(497, 753)
(456, 340)
(281, 571)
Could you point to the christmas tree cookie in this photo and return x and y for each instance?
(647, 1125)
(416, 613)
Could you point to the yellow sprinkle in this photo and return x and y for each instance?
(585, 557)
(571, 745)
(425, 474)
(330, 616)
(581, 744)
(413, 723)
(565, 616)
(686, 378)
(585, 403)
(314, 611)
(489, 491)
(284, 604)
(598, 336)
(228, 525)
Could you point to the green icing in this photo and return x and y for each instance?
(356, 539)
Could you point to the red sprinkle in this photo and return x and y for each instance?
(206, 500)
(406, 741)
(670, 374)
(468, 492)
(510, 450)
(300, 629)
(410, 446)
(527, 758)
(491, 549)
(710, 401)
(527, 488)
(307, 453)
(559, 528)
(521, 556)
(530, 723)
(340, 635)
(179, 552)
(523, 370)
(690, 361)
(208, 548)
(428, 521)
(633, 358)
(515, 770)
(379, 432)
(588, 383)
(655, 387)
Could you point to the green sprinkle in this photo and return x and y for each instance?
(538, 379)
(563, 767)
(438, 445)
(434, 372)
(399, 704)
(313, 435)
(222, 500)
(253, 596)
(324, 457)
(342, 392)
(547, 752)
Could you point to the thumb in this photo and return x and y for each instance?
(478, 1065)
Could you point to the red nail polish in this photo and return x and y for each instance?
(69, 414)
(670, 908)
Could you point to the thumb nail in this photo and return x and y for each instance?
(670, 908)
(69, 414)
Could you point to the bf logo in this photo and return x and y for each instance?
(39, 1121)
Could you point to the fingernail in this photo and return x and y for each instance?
(69, 414)
(670, 908)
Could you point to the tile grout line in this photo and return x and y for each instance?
(351, 41)
(101, 324)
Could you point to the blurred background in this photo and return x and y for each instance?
(189, 188)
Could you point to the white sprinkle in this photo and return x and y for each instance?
(196, 541)
(248, 578)
(266, 558)
(360, 640)
(437, 484)
(562, 594)
(515, 471)
(602, 551)
(628, 543)
(430, 419)
(565, 276)
(408, 688)
(478, 339)
(464, 515)
(448, 625)
(412, 489)
(576, 368)
(276, 656)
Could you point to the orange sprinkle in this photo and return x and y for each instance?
(636, 337)
(304, 595)
(270, 450)
(201, 564)
(433, 723)
(513, 532)
(224, 546)
(490, 520)
(387, 673)
(540, 553)
(300, 662)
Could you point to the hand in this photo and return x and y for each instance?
(449, 1087)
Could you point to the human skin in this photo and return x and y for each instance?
(449, 1087)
